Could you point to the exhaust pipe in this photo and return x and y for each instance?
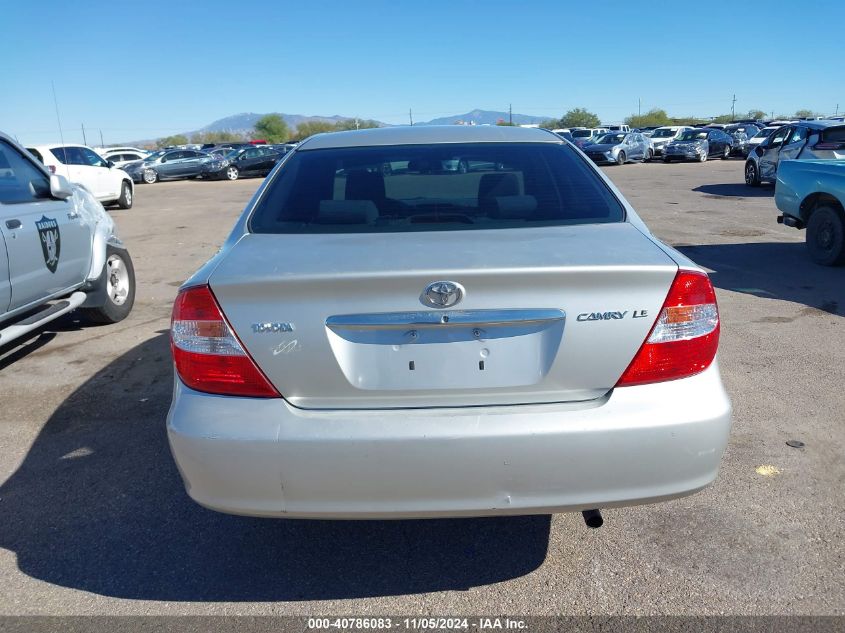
(593, 518)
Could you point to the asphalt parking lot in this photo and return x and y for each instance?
(94, 519)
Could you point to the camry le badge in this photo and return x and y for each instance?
(442, 294)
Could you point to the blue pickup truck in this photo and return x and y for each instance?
(811, 195)
(59, 250)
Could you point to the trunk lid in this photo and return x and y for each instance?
(548, 315)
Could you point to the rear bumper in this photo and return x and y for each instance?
(265, 458)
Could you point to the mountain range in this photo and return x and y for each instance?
(487, 117)
(244, 123)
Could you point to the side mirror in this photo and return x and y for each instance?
(109, 164)
(59, 187)
(163, 159)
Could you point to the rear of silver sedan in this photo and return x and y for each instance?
(412, 341)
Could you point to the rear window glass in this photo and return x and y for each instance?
(442, 187)
(69, 155)
(834, 134)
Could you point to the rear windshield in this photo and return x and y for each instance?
(610, 139)
(692, 135)
(442, 187)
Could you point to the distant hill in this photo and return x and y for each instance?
(489, 117)
(244, 123)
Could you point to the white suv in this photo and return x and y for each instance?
(82, 165)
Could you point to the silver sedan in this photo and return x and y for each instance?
(619, 148)
(375, 343)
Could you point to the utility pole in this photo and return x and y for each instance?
(733, 103)
(639, 107)
(356, 123)
(510, 114)
(837, 110)
(411, 116)
(101, 139)
(84, 140)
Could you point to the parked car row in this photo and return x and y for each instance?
(671, 142)
(110, 175)
(216, 164)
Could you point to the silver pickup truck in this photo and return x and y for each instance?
(58, 250)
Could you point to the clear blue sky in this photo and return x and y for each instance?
(145, 69)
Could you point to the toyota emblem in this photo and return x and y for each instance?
(442, 294)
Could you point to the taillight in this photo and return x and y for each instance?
(208, 355)
(52, 168)
(685, 337)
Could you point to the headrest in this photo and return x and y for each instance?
(499, 184)
(364, 185)
(347, 212)
(514, 207)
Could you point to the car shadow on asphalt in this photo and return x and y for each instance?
(773, 270)
(736, 190)
(98, 505)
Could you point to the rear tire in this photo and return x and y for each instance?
(726, 154)
(119, 291)
(703, 157)
(752, 174)
(649, 154)
(620, 159)
(825, 237)
(126, 196)
(232, 173)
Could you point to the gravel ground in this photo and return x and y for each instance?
(94, 519)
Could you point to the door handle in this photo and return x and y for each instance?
(73, 215)
(13, 224)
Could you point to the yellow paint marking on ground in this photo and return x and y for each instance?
(767, 470)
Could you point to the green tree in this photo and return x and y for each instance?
(309, 128)
(805, 114)
(176, 139)
(655, 116)
(579, 117)
(756, 114)
(272, 128)
(722, 118)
